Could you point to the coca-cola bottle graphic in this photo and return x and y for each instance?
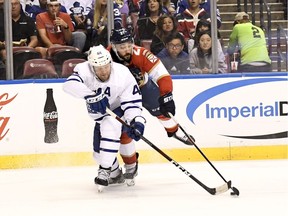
(50, 117)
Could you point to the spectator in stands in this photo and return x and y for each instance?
(166, 25)
(23, 29)
(123, 6)
(251, 43)
(147, 24)
(54, 27)
(202, 25)
(32, 10)
(134, 5)
(205, 4)
(201, 56)
(78, 7)
(188, 19)
(78, 11)
(182, 5)
(28, 2)
(78, 37)
(167, 7)
(98, 17)
(173, 57)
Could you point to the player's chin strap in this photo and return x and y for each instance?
(213, 191)
(235, 190)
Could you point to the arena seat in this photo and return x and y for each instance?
(58, 54)
(68, 66)
(20, 56)
(51, 51)
(39, 68)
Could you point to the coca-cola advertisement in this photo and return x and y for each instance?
(50, 117)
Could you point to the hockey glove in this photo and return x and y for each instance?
(167, 104)
(136, 129)
(97, 103)
(136, 72)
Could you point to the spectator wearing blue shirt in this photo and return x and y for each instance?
(173, 57)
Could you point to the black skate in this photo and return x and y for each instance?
(102, 179)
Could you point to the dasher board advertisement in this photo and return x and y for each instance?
(219, 111)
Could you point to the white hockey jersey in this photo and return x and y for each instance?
(121, 89)
(79, 7)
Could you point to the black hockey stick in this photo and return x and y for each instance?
(213, 191)
(235, 190)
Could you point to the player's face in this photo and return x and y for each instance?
(103, 72)
(124, 50)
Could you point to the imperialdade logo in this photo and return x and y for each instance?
(261, 110)
(231, 113)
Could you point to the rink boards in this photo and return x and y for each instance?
(232, 117)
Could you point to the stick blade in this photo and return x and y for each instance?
(223, 188)
(219, 190)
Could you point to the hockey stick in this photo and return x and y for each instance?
(213, 191)
(235, 190)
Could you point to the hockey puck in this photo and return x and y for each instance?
(235, 192)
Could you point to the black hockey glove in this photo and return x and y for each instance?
(167, 104)
(136, 72)
(97, 103)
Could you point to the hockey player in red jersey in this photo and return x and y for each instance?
(153, 79)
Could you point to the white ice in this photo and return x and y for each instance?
(161, 189)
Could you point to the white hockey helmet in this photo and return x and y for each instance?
(99, 56)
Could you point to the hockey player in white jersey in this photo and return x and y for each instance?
(103, 83)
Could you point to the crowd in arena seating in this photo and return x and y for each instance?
(176, 31)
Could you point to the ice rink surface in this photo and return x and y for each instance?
(161, 189)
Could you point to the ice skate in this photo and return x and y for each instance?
(102, 179)
(130, 173)
(179, 135)
(119, 179)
